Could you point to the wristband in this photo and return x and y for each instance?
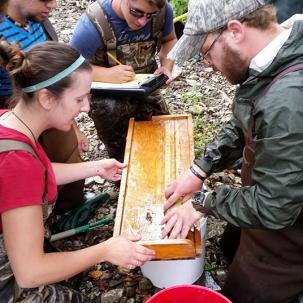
(197, 174)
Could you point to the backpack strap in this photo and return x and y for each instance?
(98, 17)
(48, 27)
(158, 22)
(250, 144)
(286, 71)
(11, 145)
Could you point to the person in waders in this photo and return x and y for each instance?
(49, 96)
(134, 32)
(249, 47)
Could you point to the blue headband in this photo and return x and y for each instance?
(55, 78)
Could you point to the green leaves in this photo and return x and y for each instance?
(179, 7)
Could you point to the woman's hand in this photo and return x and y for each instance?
(123, 251)
(110, 169)
(178, 221)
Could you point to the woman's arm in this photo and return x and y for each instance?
(109, 169)
(24, 236)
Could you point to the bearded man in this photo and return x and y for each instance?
(242, 40)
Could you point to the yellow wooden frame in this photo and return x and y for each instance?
(157, 152)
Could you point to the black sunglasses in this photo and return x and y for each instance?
(139, 14)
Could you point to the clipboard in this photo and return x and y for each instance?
(142, 86)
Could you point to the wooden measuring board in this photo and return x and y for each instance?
(157, 152)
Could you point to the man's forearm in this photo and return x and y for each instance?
(101, 73)
(165, 49)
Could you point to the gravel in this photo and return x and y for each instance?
(204, 94)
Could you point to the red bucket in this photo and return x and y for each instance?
(188, 294)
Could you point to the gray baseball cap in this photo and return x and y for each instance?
(205, 16)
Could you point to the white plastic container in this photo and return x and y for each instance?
(164, 274)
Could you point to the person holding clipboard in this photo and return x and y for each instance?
(121, 38)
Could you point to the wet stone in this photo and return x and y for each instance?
(113, 283)
(131, 283)
(103, 284)
(221, 275)
(107, 265)
(145, 285)
(95, 274)
(106, 275)
(103, 210)
(116, 276)
(130, 292)
(89, 285)
(112, 296)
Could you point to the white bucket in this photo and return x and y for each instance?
(164, 274)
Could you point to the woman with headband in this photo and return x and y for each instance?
(53, 84)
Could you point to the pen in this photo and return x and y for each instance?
(113, 58)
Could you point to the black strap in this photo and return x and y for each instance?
(158, 22)
(98, 17)
(50, 30)
(286, 71)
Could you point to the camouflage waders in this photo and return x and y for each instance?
(111, 118)
(9, 290)
(111, 115)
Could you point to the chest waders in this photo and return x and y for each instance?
(260, 272)
(111, 115)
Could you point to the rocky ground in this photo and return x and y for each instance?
(205, 95)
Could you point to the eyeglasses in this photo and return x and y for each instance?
(139, 14)
(206, 54)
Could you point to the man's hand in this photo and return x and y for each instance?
(166, 71)
(121, 74)
(183, 187)
(178, 221)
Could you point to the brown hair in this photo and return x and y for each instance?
(42, 62)
(158, 3)
(3, 7)
(261, 18)
(7, 52)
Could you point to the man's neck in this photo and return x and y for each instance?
(267, 54)
(260, 39)
(16, 15)
(116, 5)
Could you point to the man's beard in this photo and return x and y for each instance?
(235, 68)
